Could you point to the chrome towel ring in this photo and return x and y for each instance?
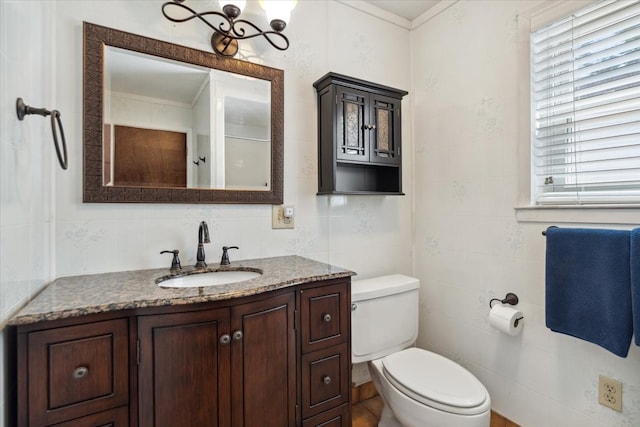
(24, 110)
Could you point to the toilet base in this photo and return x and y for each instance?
(387, 419)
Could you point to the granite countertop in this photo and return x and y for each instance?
(100, 293)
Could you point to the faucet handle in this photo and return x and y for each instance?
(175, 263)
(225, 256)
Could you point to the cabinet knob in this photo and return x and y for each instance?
(326, 318)
(326, 379)
(80, 372)
(225, 339)
(354, 307)
(237, 335)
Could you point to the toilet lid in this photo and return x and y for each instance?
(435, 381)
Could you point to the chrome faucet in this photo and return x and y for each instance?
(203, 237)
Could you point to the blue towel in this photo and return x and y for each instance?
(588, 286)
(635, 281)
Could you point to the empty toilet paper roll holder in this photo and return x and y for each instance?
(511, 299)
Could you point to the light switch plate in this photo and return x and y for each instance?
(278, 219)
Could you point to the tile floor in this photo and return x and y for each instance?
(367, 412)
(367, 407)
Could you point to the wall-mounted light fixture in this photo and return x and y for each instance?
(226, 33)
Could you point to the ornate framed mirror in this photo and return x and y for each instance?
(164, 123)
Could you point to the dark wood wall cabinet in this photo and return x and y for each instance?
(359, 136)
(276, 359)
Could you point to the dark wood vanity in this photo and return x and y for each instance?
(275, 358)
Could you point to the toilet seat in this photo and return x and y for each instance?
(436, 381)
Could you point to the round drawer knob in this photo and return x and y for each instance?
(237, 335)
(326, 379)
(80, 372)
(327, 318)
(225, 339)
(354, 307)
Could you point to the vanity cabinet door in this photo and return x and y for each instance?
(77, 370)
(263, 363)
(233, 366)
(183, 372)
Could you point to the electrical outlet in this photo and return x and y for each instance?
(282, 217)
(610, 393)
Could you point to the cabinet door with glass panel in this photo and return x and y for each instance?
(368, 129)
(384, 132)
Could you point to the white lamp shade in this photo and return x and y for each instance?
(278, 9)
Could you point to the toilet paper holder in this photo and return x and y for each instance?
(510, 298)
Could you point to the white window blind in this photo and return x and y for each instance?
(585, 94)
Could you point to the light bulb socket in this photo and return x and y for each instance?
(224, 45)
(278, 25)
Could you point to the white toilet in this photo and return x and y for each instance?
(419, 388)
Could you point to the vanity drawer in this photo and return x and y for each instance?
(118, 417)
(325, 379)
(338, 417)
(324, 313)
(77, 370)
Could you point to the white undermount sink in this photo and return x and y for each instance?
(207, 278)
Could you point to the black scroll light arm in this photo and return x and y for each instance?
(24, 110)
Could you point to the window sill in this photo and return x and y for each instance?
(601, 214)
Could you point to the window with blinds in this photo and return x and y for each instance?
(585, 94)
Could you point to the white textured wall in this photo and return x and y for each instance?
(469, 246)
(26, 162)
(370, 235)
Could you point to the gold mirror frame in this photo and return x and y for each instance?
(95, 39)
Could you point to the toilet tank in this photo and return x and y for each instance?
(384, 316)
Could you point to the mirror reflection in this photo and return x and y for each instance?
(180, 125)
